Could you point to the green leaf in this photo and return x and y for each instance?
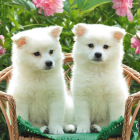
(32, 6)
(18, 6)
(80, 4)
(13, 5)
(138, 12)
(74, 3)
(11, 17)
(1, 44)
(130, 60)
(23, 4)
(74, 14)
(67, 6)
(94, 3)
(131, 26)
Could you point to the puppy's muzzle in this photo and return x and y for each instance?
(98, 56)
(48, 64)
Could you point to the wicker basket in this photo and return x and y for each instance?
(131, 101)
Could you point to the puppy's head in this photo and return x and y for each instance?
(98, 43)
(37, 49)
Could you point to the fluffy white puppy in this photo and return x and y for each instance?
(98, 85)
(37, 82)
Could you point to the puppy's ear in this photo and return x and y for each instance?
(118, 33)
(56, 31)
(79, 29)
(19, 42)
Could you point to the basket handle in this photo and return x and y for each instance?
(13, 128)
(127, 126)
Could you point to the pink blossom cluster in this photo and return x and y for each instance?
(49, 6)
(123, 7)
(135, 42)
(2, 50)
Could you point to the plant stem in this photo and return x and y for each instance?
(33, 25)
(129, 34)
(36, 19)
(98, 19)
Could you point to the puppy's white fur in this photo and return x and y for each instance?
(69, 126)
(39, 92)
(99, 87)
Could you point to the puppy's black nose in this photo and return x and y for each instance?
(98, 55)
(48, 63)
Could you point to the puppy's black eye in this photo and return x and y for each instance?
(90, 45)
(37, 53)
(51, 52)
(106, 46)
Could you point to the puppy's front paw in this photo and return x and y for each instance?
(83, 130)
(69, 128)
(44, 129)
(56, 130)
(95, 128)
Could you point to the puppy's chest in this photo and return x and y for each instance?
(39, 95)
(98, 89)
(98, 105)
(39, 98)
(97, 83)
(39, 88)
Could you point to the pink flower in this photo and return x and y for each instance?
(2, 50)
(135, 42)
(49, 6)
(123, 7)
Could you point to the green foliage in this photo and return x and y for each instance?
(19, 15)
(3, 128)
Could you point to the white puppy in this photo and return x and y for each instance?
(98, 85)
(37, 82)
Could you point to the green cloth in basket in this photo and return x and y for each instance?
(114, 129)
